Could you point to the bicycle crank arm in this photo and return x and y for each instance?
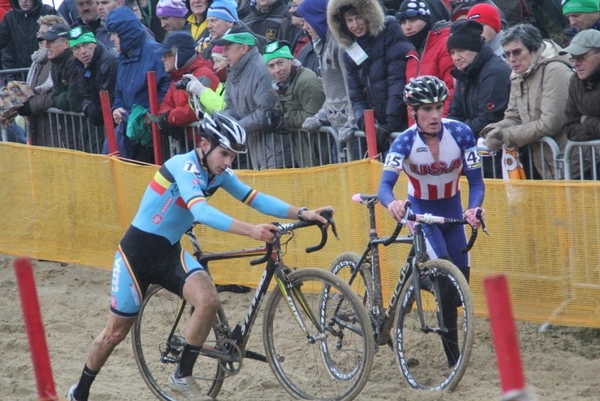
(220, 355)
(256, 356)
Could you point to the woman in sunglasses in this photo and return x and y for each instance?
(538, 97)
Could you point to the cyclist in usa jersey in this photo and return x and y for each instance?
(434, 153)
(150, 251)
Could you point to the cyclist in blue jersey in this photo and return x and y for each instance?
(150, 251)
(434, 153)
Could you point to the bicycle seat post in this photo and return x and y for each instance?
(372, 227)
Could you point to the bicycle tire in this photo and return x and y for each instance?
(420, 355)
(344, 265)
(149, 335)
(311, 370)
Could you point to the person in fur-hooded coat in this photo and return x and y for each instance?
(375, 60)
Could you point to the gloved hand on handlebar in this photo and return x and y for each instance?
(396, 209)
(471, 217)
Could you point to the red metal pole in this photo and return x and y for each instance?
(35, 329)
(370, 132)
(504, 334)
(156, 139)
(109, 127)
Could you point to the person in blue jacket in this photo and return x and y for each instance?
(137, 56)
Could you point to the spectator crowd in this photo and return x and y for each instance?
(285, 69)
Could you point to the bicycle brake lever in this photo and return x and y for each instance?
(328, 214)
(480, 218)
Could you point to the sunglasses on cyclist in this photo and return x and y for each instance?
(515, 53)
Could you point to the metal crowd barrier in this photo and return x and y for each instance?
(586, 154)
(14, 74)
(65, 129)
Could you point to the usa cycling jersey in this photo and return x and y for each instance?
(431, 179)
(177, 197)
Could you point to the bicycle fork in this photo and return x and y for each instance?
(291, 291)
(421, 256)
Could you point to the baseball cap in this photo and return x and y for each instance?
(78, 35)
(243, 38)
(583, 42)
(55, 32)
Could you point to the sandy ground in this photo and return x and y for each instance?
(560, 364)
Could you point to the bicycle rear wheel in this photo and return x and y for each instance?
(156, 358)
(344, 265)
(427, 359)
(334, 363)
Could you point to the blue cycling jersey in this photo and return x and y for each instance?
(177, 197)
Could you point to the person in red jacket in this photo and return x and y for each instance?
(180, 57)
(429, 39)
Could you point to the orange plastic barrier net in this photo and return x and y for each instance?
(74, 207)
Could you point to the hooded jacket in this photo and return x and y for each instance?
(100, 74)
(481, 92)
(435, 60)
(176, 101)
(137, 57)
(536, 106)
(378, 82)
(272, 24)
(18, 30)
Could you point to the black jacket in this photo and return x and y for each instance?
(18, 31)
(65, 91)
(482, 91)
(100, 75)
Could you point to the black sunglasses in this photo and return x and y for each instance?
(515, 53)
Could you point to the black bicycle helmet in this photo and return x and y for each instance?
(222, 130)
(426, 89)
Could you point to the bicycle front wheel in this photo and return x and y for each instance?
(157, 357)
(344, 266)
(334, 360)
(435, 355)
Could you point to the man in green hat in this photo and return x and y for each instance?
(97, 71)
(248, 98)
(582, 15)
(299, 96)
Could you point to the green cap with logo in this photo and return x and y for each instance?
(243, 38)
(583, 42)
(77, 36)
(580, 6)
(277, 50)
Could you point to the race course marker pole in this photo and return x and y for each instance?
(505, 339)
(35, 329)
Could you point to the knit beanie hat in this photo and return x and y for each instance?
(414, 9)
(465, 34)
(580, 6)
(217, 52)
(486, 14)
(181, 44)
(223, 9)
(171, 8)
(277, 50)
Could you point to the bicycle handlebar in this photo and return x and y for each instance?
(288, 227)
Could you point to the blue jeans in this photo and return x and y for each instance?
(14, 133)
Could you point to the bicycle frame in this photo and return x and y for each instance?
(383, 318)
(274, 268)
